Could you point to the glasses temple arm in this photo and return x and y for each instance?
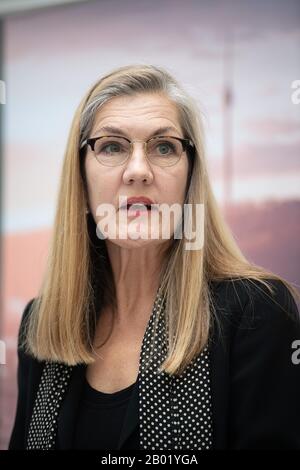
(83, 144)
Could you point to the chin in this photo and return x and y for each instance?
(133, 242)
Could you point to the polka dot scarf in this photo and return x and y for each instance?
(174, 412)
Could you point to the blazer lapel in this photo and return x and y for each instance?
(54, 381)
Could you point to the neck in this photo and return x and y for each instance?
(136, 275)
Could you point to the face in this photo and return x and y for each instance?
(138, 117)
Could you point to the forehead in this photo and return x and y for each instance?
(140, 112)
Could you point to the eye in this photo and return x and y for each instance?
(165, 147)
(112, 147)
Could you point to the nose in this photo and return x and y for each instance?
(137, 166)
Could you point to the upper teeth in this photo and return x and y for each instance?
(138, 204)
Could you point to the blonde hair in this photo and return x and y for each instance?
(78, 279)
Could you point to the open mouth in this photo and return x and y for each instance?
(137, 206)
(136, 209)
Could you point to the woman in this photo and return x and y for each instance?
(136, 341)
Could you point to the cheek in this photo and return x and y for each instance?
(173, 183)
(101, 183)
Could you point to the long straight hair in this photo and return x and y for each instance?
(78, 280)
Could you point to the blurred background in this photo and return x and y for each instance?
(237, 59)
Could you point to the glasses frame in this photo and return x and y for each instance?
(186, 143)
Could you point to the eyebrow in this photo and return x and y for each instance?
(116, 130)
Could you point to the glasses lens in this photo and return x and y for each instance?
(111, 151)
(164, 151)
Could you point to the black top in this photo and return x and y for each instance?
(100, 418)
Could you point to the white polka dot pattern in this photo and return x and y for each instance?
(42, 429)
(174, 412)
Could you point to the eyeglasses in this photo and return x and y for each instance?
(111, 150)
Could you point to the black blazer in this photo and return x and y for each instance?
(255, 382)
